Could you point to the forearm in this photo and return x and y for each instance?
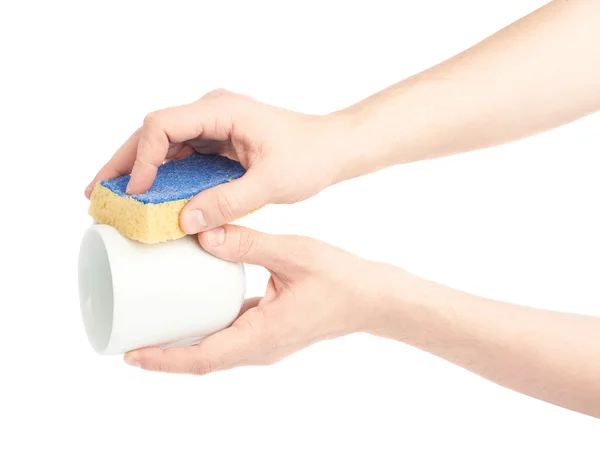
(536, 74)
(548, 355)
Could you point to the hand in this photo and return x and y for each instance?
(288, 156)
(315, 292)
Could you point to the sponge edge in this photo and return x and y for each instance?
(153, 217)
(146, 223)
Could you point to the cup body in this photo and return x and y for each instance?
(134, 295)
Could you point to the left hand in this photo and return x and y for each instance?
(315, 292)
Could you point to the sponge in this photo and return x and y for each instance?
(153, 217)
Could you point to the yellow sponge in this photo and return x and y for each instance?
(153, 216)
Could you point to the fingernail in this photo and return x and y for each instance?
(215, 237)
(128, 189)
(131, 361)
(194, 221)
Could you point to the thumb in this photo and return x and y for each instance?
(224, 203)
(239, 244)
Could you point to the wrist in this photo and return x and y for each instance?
(403, 123)
(384, 299)
(357, 148)
(401, 305)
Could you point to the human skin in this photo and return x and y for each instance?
(319, 292)
(534, 75)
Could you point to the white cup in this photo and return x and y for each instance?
(134, 295)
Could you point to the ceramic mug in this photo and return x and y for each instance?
(134, 295)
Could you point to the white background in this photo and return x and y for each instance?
(517, 223)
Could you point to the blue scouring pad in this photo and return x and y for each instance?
(153, 216)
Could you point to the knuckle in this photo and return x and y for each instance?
(161, 367)
(228, 207)
(200, 367)
(151, 119)
(219, 92)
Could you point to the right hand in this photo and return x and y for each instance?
(288, 156)
(316, 292)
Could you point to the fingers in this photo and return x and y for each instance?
(120, 164)
(239, 244)
(144, 152)
(160, 128)
(240, 344)
(207, 118)
(224, 203)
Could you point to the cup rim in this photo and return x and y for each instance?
(96, 289)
